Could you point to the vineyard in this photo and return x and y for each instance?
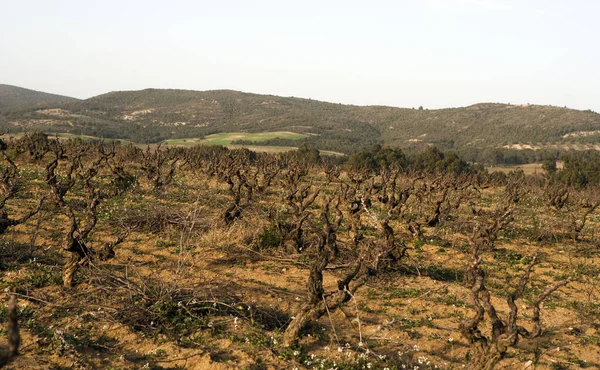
(196, 257)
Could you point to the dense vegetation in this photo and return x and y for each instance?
(580, 169)
(116, 256)
(476, 132)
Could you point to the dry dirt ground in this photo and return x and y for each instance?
(193, 293)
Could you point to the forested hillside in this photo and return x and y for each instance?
(152, 115)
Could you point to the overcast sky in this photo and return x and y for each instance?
(435, 53)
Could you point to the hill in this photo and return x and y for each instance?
(13, 96)
(153, 115)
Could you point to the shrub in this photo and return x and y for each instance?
(269, 238)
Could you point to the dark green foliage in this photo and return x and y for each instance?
(549, 165)
(433, 160)
(506, 157)
(269, 238)
(378, 159)
(124, 183)
(580, 169)
(306, 154)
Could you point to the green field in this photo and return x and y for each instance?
(225, 138)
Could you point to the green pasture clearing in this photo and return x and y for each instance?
(225, 138)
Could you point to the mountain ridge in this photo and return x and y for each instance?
(15, 96)
(152, 115)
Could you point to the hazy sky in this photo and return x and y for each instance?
(435, 53)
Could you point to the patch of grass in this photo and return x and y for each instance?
(408, 323)
(587, 270)
(511, 258)
(418, 244)
(164, 243)
(268, 267)
(587, 310)
(39, 277)
(365, 308)
(226, 138)
(255, 338)
(269, 238)
(451, 300)
(594, 340)
(396, 293)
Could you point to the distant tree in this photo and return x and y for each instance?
(549, 165)
(433, 160)
(378, 159)
(581, 169)
(492, 156)
(306, 154)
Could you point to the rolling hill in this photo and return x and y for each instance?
(13, 96)
(153, 115)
